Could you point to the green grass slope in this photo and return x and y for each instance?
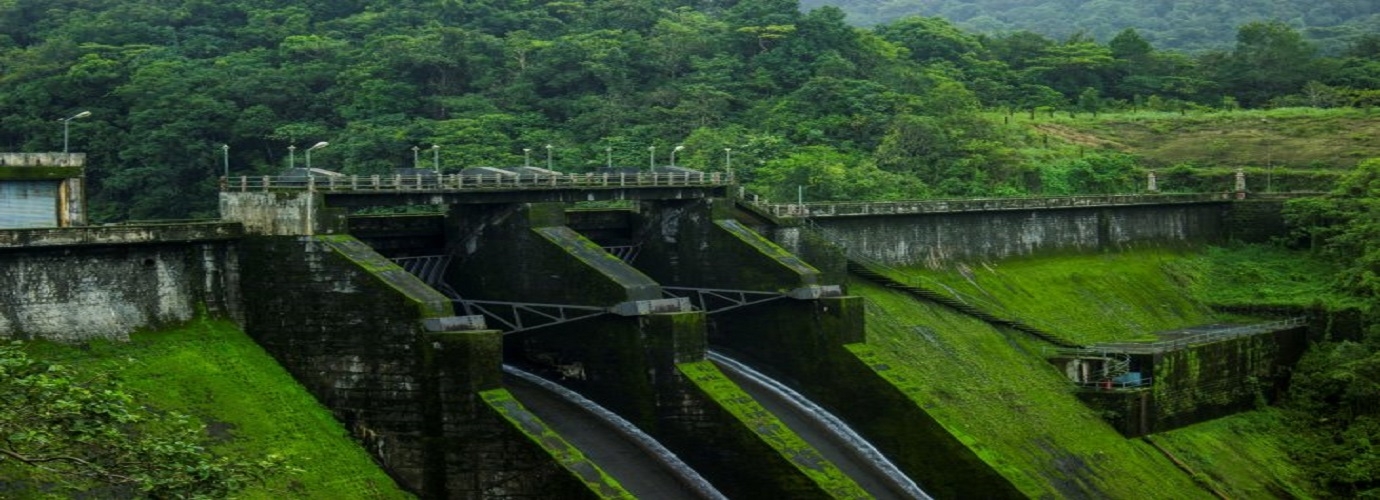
(1291, 137)
(1083, 298)
(210, 370)
(994, 390)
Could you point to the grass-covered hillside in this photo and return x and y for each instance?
(995, 389)
(1291, 139)
(250, 406)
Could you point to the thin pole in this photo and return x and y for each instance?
(292, 157)
(728, 161)
(548, 157)
(226, 149)
(651, 164)
(608, 153)
(415, 162)
(436, 158)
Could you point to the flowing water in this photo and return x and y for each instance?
(641, 464)
(831, 436)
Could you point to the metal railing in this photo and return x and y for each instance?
(472, 182)
(1202, 338)
(847, 209)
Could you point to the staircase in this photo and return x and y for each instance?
(871, 273)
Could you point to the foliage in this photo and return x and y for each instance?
(83, 430)
(1194, 25)
(249, 406)
(901, 105)
(1345, 225)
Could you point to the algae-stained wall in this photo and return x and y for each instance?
(937, 238)
(81, 292)
(1211, 380)
(349, 325)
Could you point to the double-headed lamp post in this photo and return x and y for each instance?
(65, 122)
(673, 154)
(315, 147)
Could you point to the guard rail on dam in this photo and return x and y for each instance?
(473, 182)
(859, 209)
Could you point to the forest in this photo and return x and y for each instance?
(905, 109)
(909, 107)
(1192, 26)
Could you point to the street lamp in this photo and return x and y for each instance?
(548, 157)
(225, 148)
(651, 164)
(436, 158)
(526, 157)
(65, 122)
(292, 157)
(415, 163)
(673, 155)
(315, 147)
(728, 161)
(608, 154)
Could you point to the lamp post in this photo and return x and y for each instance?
(548, 157)
(608, 157)
(314, 147)
(728, 161)
(415, 163)
(526, 157)
(651, 163)
(225, 149)
(65, 122)
(292, 157)
(673, 155)
(436, 158)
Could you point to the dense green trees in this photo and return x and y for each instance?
(169, 83)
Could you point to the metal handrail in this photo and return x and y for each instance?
(1212, 336)
(948, 205)
(468, 182)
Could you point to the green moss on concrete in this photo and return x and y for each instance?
(994, 391)
(808, 275)
(770, 430)
(39, 173)
(250, 405)
(1083, 298)
(599, 482)
(1243, 456)
(1259, 276)
(429, 302)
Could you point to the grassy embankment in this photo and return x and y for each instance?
(1279, 150)
(995, 389)
(251, 407)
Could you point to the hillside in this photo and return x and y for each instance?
(995, 388)
(250, 406)
(1189, 26)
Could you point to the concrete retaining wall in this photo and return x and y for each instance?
(73, 292)
(934, 239)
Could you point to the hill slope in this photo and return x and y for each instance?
(1190, 26)
(250, 406)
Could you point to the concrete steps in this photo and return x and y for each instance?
(951, 302)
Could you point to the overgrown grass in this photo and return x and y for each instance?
(210, 370)
(995, 391)
(1243, 456)
(1259, 275)
(1083, 298)
(1290, 137)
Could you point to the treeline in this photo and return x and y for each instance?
(1184, 25)
(789, 98)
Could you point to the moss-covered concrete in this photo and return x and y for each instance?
(815, 476)
(524, 253)
(598, 482)
(696, 244)
(8, 173)
(1206, 381)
